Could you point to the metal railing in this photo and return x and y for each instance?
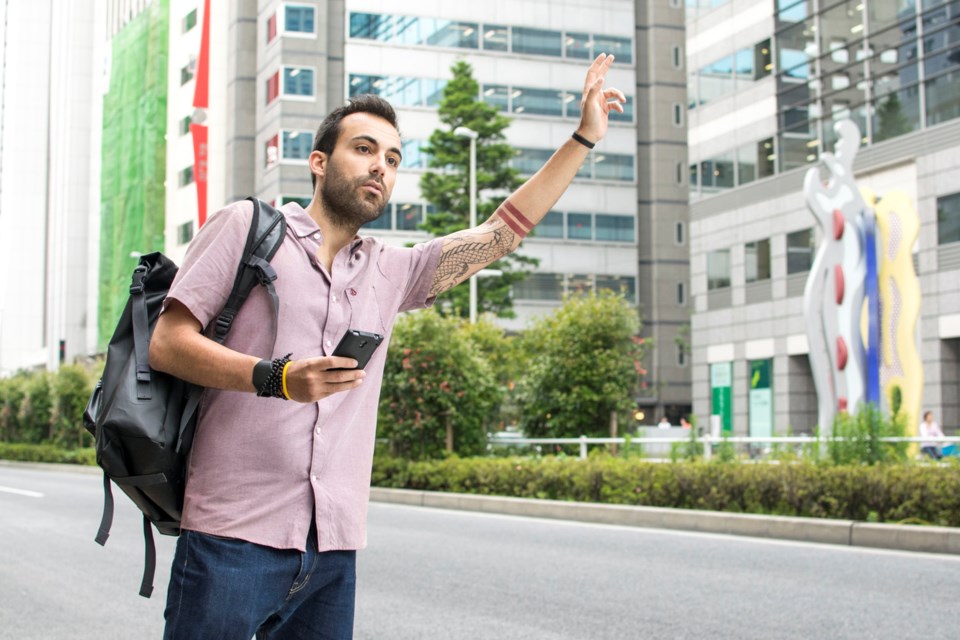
(708, 441)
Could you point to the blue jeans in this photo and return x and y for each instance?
(226, 589)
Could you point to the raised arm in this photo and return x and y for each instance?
(468, 251)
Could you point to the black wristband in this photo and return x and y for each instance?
(579, 138)
(273, 385)
(261, 371)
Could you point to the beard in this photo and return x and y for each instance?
(346, 203)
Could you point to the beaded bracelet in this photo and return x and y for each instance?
(273, 386)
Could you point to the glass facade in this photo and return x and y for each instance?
(404, 91)
(892, 66)
(435, 32)
(874, 61)
(551, 287)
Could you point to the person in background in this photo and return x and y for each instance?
(664, 423)
(930, 429)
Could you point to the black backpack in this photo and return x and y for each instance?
(143, 420)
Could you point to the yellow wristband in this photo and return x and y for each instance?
(283, 381)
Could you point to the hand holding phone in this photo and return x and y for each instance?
(358, 345)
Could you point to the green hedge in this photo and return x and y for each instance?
(891, 493)
(46, 453)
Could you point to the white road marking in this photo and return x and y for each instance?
(21, 492)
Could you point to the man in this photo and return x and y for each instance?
(277, 492)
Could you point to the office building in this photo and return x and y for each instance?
(767, 82)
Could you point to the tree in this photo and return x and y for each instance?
(448, 189)
(587, 366)
(436, 386)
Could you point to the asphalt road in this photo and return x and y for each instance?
(454, 575)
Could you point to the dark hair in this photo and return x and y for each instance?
(329, 130)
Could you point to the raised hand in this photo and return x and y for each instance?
(597, 101)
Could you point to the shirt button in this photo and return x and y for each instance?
(334, 298)
(315, 478)
(316, 236)
(329, 343)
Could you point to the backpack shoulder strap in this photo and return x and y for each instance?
(267, 230)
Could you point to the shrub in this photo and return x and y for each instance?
(885, 493)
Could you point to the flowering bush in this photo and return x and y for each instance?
(438, 389)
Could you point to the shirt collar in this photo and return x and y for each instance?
(303, 225)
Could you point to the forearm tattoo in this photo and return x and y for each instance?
(514, 219)
(468, 249)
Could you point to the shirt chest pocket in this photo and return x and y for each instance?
(354, 307)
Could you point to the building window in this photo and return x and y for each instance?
(799, 251)
(681, 294)
(625, 286)
(677, 57)
(542, 102)
(679, 233)
(540, 286)
(757, 260)
(272, 28)
(186, 72)
(185, 232)
(621, 48)
(579, 226)
(299, 19)
(186, 176)
(297, 145)
(537, 42)
(677, 114)
(551, 226)
(612, 166)
(718, 269)
(409, 216)
(763, 60)
(273, 87)
(185, 125)
(298, 82)
(495, 37)
(681, 356)
(303, 201)
(190, 21)
(611, 228)
(948, 219)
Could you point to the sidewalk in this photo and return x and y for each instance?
(842, 532)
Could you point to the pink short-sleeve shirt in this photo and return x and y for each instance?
(262, 468)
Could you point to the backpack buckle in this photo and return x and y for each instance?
(139, 275)
(224, 320)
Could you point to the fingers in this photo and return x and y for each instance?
(597, 72)
(313, 379)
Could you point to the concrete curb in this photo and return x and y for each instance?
(841, 532)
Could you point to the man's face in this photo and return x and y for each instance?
(358, 177)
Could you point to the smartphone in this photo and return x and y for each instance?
(358, 345)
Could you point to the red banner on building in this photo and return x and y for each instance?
(199, 133)
(201, 94)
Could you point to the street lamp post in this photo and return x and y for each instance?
(470, 133)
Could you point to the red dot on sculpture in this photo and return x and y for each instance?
(837, 224)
